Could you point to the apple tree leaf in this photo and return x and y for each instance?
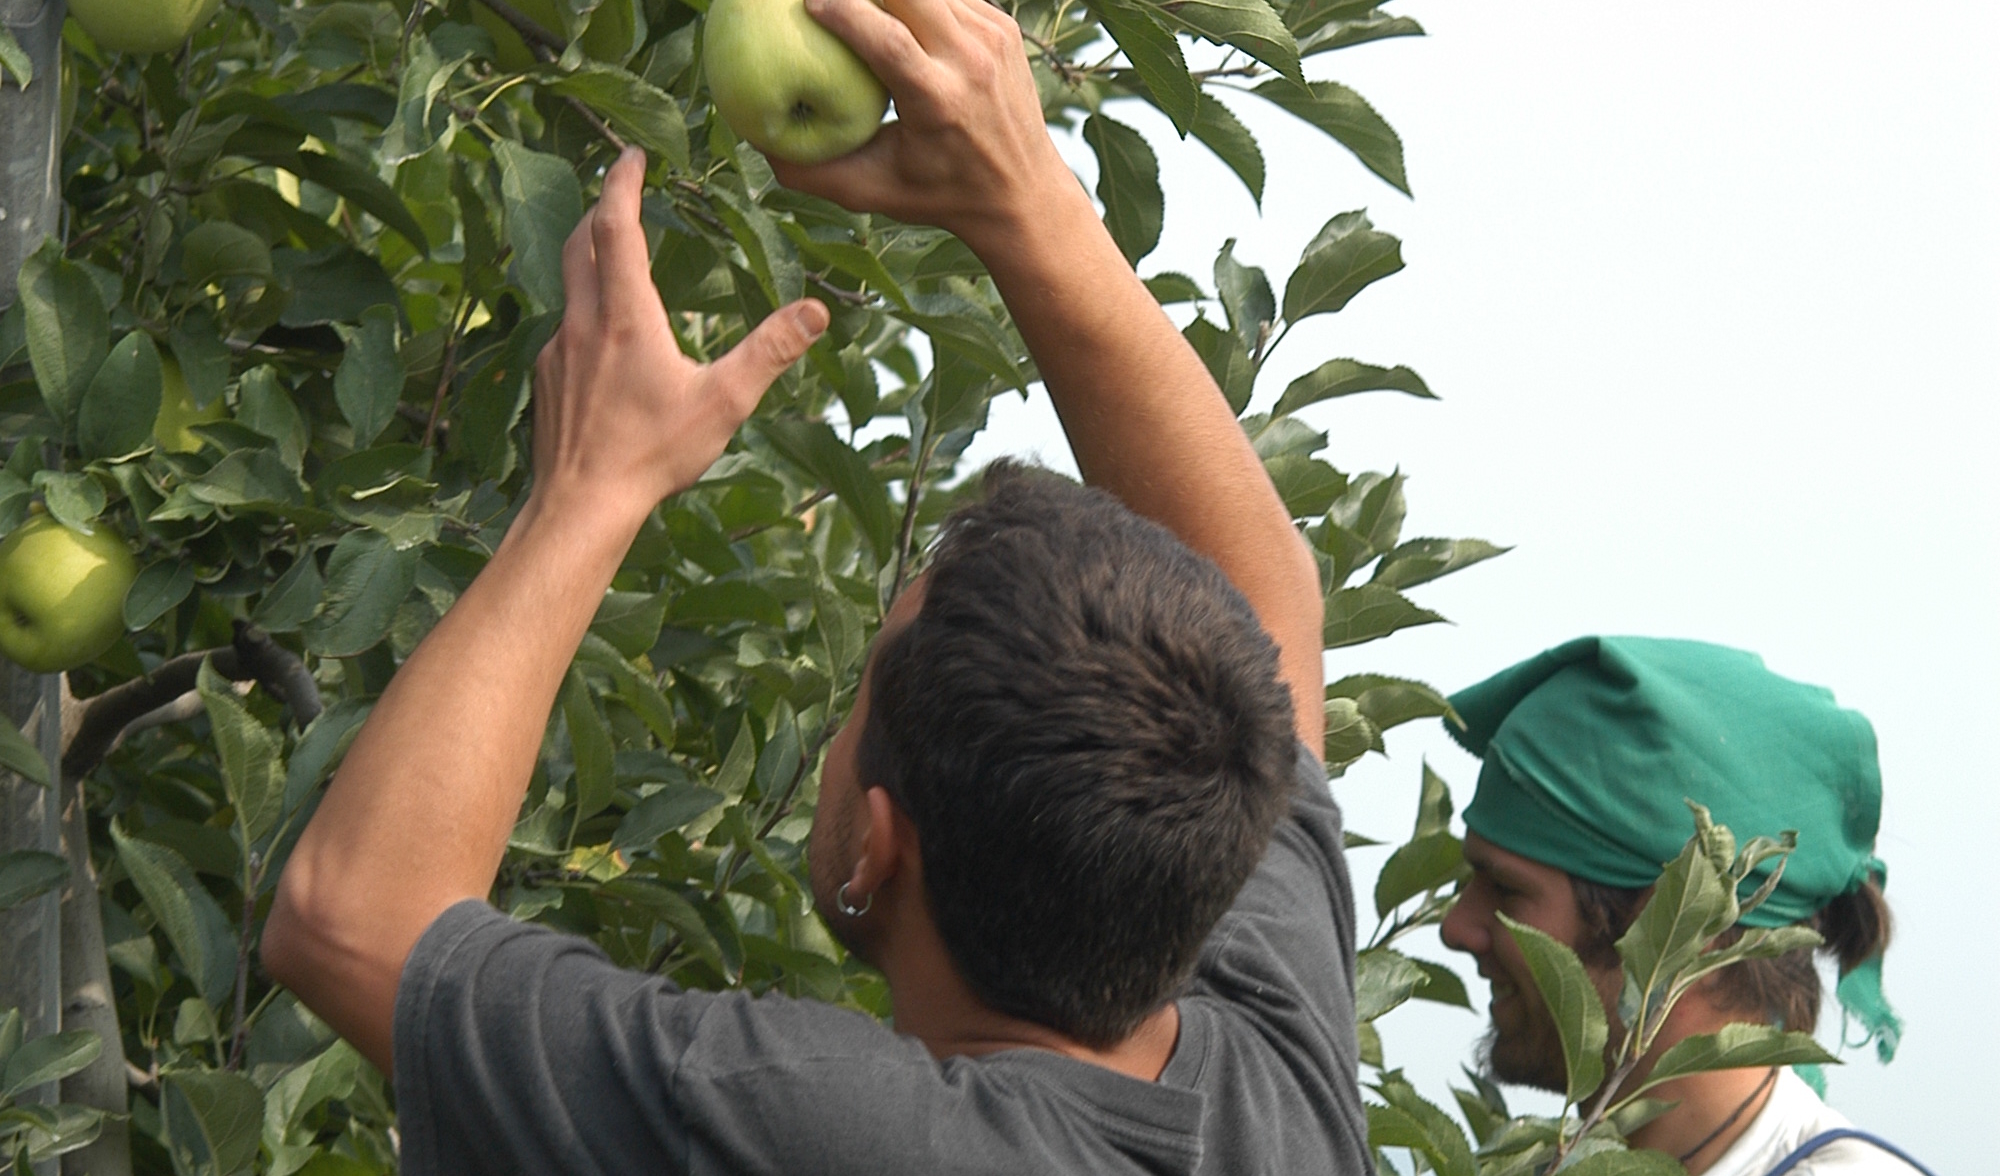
(73, 497)
(1420, 561)
(1218, 128)
(1737, 1045)
(253, 774)
(116, 414)
(1419, 865)
(1573, 1004)
(1345, 377)
(1128, 184)
(369, 381)
(48, 1059)
(15, 60)
(367, 579)
(20, 756)
(1347, 256)
(1347, 117)
(69, 332)
(196, 927)
(1222, 351)
(1246, 296)
(1383, 979)
(814, 447)
(1249, 25)
(1370, 612)
(213, 1120)
(634, 107)
(215, 251)
(542, 202)
(1155, 54)
(160, 586)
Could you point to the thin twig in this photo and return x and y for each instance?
(459, 319)
(240, 1029)
(907, 537)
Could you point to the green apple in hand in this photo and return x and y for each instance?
(62, 594)
(141, 26)
(782, 81)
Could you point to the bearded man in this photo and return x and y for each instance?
(1590, 752)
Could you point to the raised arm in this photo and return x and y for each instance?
(970, 153)
(419, 814)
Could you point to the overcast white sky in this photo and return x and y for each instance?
(1712, 296)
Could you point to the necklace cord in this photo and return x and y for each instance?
(1770, 1076)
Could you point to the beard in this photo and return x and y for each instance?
(1526, 1059)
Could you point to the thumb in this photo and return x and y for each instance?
(777, 343)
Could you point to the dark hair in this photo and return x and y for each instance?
(1086, 726)
(1783, 991)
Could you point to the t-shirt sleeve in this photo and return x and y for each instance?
(1284, 953)
(521, 1049)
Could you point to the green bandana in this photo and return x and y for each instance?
(1593, 748)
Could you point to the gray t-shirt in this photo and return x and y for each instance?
(521, 1049)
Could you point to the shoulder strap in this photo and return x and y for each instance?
(1819, 1141)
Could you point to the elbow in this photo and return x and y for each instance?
(285, 946)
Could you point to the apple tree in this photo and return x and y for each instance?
(282, 349)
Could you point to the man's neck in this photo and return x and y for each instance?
(1714, 1110)
(935, 1005)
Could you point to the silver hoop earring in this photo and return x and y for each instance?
(848, 908)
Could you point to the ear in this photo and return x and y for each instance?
(887, 837)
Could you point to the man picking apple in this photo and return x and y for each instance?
(1073, 818)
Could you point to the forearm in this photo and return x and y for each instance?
(419, 814)
(1147, 422)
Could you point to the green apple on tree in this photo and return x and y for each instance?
(62, 594)
(174, 427)
(786, 84)
(141, 26)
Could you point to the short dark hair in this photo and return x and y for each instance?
(1086, 726)
(1783, 991)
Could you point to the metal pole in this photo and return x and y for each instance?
(29, 155)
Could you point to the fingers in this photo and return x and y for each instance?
(863, 180)
(887, 45)
(753, 365)
(932, 22)
(624, 279)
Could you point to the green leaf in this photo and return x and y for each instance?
(253, 775)
(203, 357)
(369, 381)
(19, 756)
(1375, 26)
(1690, 905)
(1372, 508)
(337, 284)
(630, 621)
(1345, 377)
(1307, 485)
(69, 333)
(1170, 287)
(213, 1121)
(26, 873)
(1737, 1046)
(48, 1059)
(1345, 258)
(1572, 1001)
(1441, 986)
(1155, 53)
(331, 1074)
(248, 477)
(635, 108)
(1394, 1127)
(774, 260)
(814, 447)
(1613, 1162)
(75, 498)
(116, 414)
(1383, 979)
(1249, 25)
(196, 927)
(1246, 297)
(215, 251)
(590, 748)
(1128, 183)
(1422, 560)
(542, 203)
(1222, 132)
(160, 586)
(1227, 361)
(15, 60)
(1370, 612)
(1445, 1135)
(1433, 804)
(363, 189)
(367, 580)
(1390, 702)
(290, 602)
(848, 257)
(1422, 864)
(968, 329)
(673, 807)
(1349, 734)
(1347, 117)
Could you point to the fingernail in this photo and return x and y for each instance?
(813, 319)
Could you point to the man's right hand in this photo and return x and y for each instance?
(969, 151)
